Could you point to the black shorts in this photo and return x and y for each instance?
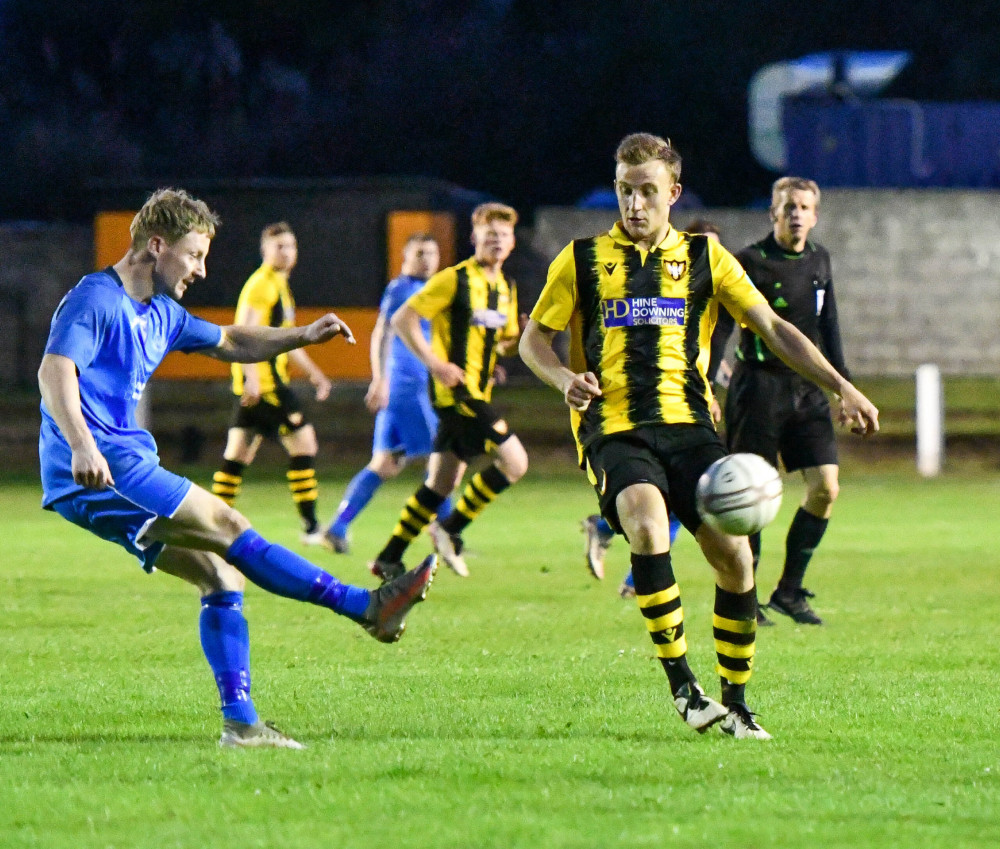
(770, 414)
(468, 429)
(276, 414)
(671, 457)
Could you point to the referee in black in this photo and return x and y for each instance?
(770, 410)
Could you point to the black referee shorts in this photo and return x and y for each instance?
(774, 414)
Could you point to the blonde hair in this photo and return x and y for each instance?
(487, 213)
(784, 185)
(172, 214)
(640, 148)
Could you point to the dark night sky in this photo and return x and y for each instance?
(524, 100)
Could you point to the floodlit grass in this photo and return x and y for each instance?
(523, 707)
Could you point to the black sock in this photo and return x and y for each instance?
(803, 537)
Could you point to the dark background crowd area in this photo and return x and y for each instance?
(521, 99)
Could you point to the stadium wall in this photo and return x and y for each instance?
(916, 272)
(917, 275)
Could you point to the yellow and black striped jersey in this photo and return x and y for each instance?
(469, 315)
(266, 292)
(642, 322)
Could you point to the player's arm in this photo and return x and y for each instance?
(60, 388)
(320, 382)
(245, 344)
(829, 332)
(537, 351)
(406, 325)
(794, 349)
(377, 396)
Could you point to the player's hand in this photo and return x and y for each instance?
(251, 389)
(499, 375)
(321, 384)
(325, 328)
(90, 468)
(716, 411)
(377, 396)
(448, 373)
(581, 390)
(857, 412)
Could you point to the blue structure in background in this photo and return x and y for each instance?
(893, 143)
(819, 117)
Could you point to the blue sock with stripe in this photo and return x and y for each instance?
(283, 572)
(225, 640)
(359, 492)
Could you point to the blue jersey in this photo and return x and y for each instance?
(116, 344)
(405, 372)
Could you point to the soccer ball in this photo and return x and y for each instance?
(739, 494)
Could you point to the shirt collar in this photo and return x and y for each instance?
(621, 237)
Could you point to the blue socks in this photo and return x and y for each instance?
(603, 528)
(225, 639)
(359, 492)
(283, 572)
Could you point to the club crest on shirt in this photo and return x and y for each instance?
(675, 269)
(639, 312)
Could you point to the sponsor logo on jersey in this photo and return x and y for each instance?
(490, 319)
(639, 312)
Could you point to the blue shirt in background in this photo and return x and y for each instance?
(405, 372)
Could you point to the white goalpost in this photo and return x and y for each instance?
(930, 420)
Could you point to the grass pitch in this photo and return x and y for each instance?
(523, 707)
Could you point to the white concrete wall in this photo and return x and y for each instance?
(917, 272)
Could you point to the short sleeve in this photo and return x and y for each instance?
(195, 334)
(436, 295)
(556, 303)
(259, 294)
(79, 324)
(391, 299)
(733, 286)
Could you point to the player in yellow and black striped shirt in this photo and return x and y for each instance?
(472, 308)
(265, 404)
(642, 301)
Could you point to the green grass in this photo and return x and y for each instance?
(523, 708)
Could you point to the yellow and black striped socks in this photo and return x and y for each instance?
(659, 601)
(735, 625)
(478, 494)
(416, 514)
(227, 481)
(304, 487)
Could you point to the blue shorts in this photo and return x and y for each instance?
(123, 515)
(406, 430)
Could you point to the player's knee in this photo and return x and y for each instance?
(822, 497)
(227, 522)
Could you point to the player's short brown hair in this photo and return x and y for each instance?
(703, 225)
(419, 238)
(486, 213)
(278, 228)
(640, 148)
(783, 185)
(172, 214)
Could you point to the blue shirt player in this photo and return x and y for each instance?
(405, 421)
(100, 470)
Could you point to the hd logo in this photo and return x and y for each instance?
(639, 312)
